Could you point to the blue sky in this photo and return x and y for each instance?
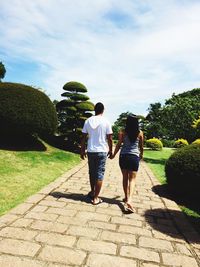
(128, 53)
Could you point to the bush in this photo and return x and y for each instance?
(168, 143)
(154, 144)
(180, 143)
(183, 170)
(197, 141)
(25, 110)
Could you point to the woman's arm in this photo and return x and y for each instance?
(141, 144)
(118, 145)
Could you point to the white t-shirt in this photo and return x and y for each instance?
(97, 127)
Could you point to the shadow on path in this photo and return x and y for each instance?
(171, 223)
(86, 199)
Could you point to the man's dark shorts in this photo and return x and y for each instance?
(97, 162)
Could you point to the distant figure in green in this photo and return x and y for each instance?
(130, 140)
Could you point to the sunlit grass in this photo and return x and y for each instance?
(24, 173)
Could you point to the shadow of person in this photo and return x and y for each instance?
(85, 198)
(173, 223)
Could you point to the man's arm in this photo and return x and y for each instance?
(110, 144)
(83, 141)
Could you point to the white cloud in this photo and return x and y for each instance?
(129, 54)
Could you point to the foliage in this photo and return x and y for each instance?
(197, 141)
(167, 142)
(72, 112)
(2, 71)
(183, 170)
(180, 143)
(154, 125)
(25, 110)
(25, 173)
(154, 144)
(196, 126)
(179, 112)
(174, 119)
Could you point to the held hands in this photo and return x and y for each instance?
(83, 155)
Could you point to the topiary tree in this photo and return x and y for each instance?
(154, 144)
(2, 71)
(183, 170)
(72, 112)
(180, 143)
(25, 110)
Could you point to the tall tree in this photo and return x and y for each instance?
(2, 71)
(179, 112)
(153, 123)
(72, 112)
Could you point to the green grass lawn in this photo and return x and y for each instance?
(156, 161)
(23, 173)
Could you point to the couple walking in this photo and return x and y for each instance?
(98, 130)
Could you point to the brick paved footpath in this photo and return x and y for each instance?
(59, 227)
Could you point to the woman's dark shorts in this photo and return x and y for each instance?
(129, 162)
(97, 162)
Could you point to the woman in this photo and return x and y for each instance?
(130, 155)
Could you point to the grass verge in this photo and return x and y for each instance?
(23, 173)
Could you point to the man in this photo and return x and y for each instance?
(99, 146)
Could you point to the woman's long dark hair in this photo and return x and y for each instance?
(132, 128)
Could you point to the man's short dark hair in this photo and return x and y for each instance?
(99, 108)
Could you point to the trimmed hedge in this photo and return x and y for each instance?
(183, 170)
(180, 143)
(154, 144)
(25, 110)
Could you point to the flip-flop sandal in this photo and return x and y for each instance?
(128, 207)
(98, 202)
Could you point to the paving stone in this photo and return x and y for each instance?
(18, 233)
(102, 225)
(118, 237)
(97, 246)
(12, 261)
(49, 226)
(134, 230)
(83, 231)
(35, 198)
(22, 222)
(8, 218)
(102, 260)
(91, 216)
(22, 208)
(18, 247)
(62, 211)
(62, 255)
(72, 220)
(56, 239)
(41, 216)
(52, 203)
(155, 244)
(126, 221)
(183, 249)
(139, 253)
(39, 208)
(178, 260)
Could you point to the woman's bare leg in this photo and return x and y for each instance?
(131, 187)
(125, 183)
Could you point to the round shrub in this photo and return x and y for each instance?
(180, 143)
(197, 141)
(25, 110)
(154, 144)
(183, 170)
